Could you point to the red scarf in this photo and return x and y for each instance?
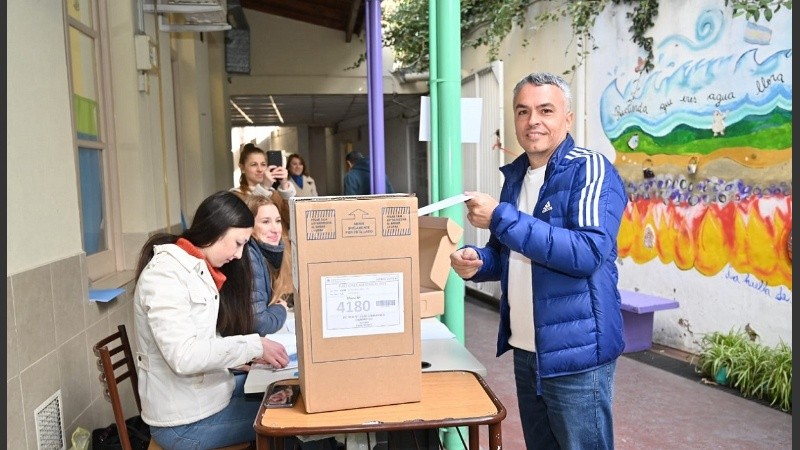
(188, 247)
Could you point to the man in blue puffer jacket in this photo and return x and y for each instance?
(553, 247)
(358, 179)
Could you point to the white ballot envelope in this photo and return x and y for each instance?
(442, 204)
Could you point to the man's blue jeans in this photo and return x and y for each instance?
(232, 425)
(573, 412)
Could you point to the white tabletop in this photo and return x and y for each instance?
(440, 349)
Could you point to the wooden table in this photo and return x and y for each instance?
(449, 399)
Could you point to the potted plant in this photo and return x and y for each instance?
(735, 359)
(749, 368)
(778, 378)
(718, 352)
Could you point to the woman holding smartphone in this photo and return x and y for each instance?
(260, 177)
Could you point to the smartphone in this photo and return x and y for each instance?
(274, 158)
(282, 395)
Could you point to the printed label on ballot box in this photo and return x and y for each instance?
(362, 305)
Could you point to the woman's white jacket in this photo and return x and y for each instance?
(182, 361)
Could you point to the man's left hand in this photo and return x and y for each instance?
(480, 206)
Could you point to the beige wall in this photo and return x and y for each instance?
(43, 224)
(288, 57)
(220, 112)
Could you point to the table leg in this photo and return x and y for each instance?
(262, 442)
(495, 437)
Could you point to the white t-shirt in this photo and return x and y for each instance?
(520, 272)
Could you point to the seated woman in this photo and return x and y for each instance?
(191, 290)
(271, 266)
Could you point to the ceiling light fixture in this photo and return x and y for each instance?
(246, 117)
(275, 107)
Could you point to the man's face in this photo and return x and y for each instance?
(541, 121)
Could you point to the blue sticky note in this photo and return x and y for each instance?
(104, 295)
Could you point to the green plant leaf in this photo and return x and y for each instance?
(488, 22)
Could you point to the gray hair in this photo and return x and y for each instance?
(543, 78)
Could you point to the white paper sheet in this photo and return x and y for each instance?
(433, 328)
(442, 204)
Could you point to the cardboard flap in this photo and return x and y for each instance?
(438, 237)
(454, 232)
(449, 227)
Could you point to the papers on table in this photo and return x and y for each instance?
(432, 328)
(289, 341)
(439, 348)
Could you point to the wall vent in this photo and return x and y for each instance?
(50, 424)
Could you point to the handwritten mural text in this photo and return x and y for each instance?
(719, 98)
(638, 108)
(763, 83)
(779, 295)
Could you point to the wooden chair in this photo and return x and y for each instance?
(113, 371)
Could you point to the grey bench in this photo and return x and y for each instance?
(637, 318)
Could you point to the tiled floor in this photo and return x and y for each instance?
(653, 408)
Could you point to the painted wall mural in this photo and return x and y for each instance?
(704, 143)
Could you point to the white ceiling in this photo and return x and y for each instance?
(326, 110)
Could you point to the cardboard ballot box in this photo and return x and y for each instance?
(357, 309)
(438, 238)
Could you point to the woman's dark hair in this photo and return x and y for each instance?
(247, 150)
(302, 161)
(214, 217)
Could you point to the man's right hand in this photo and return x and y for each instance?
(480, 208)
(465, 262)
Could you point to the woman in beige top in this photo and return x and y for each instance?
(304, 185)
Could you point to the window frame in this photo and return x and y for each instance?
(104, 263)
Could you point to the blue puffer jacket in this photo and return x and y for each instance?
(267, 319)
(571, 239)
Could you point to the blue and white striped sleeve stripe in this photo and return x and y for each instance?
(589, 206)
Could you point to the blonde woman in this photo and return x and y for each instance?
(271, 266)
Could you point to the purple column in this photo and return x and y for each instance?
(375, 96)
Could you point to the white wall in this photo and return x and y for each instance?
(43, 223)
